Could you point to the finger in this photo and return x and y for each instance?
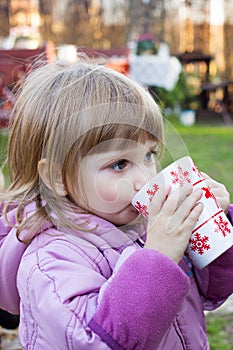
(189, 203)
(204, 175)
(186, 207)
(194, 214)
(158, 201)
(176, 198)
(211, 182)
(165, 215)
(187, 226)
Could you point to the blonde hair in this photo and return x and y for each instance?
(63, 110)
(2, 180)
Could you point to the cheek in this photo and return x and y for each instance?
(105, 193)
(98, 191)
(113, 190)
(106, 189)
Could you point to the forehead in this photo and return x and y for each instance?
(134, 149)
(117, 138)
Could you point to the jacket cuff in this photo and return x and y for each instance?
(230, 213)
(140, 302)
(215, 281)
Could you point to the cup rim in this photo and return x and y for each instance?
(142, 190)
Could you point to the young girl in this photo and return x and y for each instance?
(83, 270)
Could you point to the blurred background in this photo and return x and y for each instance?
(181, 49)
(197, 33)
(198, 25)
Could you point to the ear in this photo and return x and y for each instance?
(43, 171)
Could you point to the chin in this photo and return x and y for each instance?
(123, 217)
(127, 219)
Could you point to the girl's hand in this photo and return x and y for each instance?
(219, 191)
(172, 216)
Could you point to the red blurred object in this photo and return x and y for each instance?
(120, 65)
(14, 64)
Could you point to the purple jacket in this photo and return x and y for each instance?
(101, 290)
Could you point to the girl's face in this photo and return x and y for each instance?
(110, 180)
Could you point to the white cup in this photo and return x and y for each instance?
(212, 234)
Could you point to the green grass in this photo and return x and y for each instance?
(211, 147)
(3, 152)
(220, 331)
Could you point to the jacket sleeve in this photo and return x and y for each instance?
(63, 287)
(141, 301)
(216, 280)
(59, 287)
(11, 251)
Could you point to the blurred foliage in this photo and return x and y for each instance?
(220, 331)
(184, 95)
(208, 145)
(3, 152)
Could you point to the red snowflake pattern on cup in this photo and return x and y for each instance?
(180, 176)
(142, 208)
(199, 243)
(152, 192)
(222, 226)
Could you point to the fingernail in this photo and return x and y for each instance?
(198, 192)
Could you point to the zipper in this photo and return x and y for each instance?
(179, 334)
(140, 242)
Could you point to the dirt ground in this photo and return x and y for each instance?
(9, 340)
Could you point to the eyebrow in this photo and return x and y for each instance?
(122, 153)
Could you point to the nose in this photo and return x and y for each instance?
(141, 177)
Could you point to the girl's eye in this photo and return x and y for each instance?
(119, 166)
(149, 156)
